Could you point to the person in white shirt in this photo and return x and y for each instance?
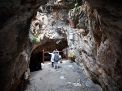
(52, 58)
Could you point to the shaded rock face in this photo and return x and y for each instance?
(15, 50)
(35, 61)
(101, 40)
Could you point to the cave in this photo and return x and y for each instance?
(40, 54)
(35, 61)
(29, 29)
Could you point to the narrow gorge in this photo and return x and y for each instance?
(91, 28)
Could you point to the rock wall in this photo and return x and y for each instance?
(101, 42)
(93, 29)
(47, 27)
(14, 45)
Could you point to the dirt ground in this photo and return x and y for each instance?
(68, 77)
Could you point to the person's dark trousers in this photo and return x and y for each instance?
(52, 64)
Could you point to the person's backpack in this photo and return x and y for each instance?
(56, 58)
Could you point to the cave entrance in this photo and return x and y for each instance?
(38, 57)
(35, 61)
(40, 54)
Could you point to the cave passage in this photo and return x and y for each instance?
(41, 57)
(88, 34)
(68, 77)
(40, 54)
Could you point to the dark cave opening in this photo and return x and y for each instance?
(40, 57)
(35, 61)
(41, 53)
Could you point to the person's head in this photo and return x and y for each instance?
(56, 52)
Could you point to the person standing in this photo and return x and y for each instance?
(56, 50)
(52, 58)
(56, 60)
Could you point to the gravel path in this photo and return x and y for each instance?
(69, 77)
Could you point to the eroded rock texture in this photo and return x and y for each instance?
(101, 50)
(92, 28)
(15, 17)
(47, 27)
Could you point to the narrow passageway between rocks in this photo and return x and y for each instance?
(69, 77)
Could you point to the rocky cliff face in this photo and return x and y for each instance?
(102, 55)
(101, 41)
(14, 50)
